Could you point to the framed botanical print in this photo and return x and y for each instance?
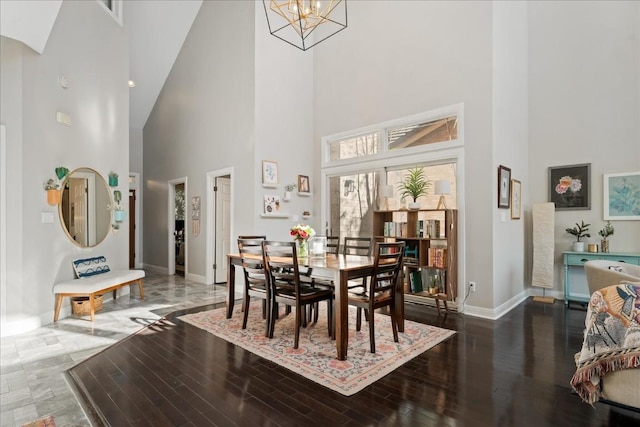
(516, 199)
(621, 196)
(504, 187)
(570, 187)
(269, 173)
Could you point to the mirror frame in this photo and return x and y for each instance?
(63, 224)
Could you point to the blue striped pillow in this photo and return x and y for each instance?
(88, 267)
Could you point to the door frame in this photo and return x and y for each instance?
(210, 248)
(171, 226)
(134, 184)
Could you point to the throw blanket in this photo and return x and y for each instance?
(611, 339)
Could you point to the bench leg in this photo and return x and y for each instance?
(141, 289)
(114, 294)
(92, 305)
(58, 305)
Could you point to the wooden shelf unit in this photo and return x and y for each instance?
(447, 239)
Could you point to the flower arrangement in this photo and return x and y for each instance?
(301, 232)
(580, 230)
(568, 188)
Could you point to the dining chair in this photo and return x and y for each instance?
(285, 286)
(381, 288)
(357, 246)
(255, 279)
(333, 245)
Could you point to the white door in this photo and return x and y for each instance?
(223, 227)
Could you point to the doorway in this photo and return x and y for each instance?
(220, 225)
(177, 232)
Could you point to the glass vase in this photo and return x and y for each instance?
(604, 246)
(302, 247)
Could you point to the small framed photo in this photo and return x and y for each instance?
(621, 196)
(504, 187)
(570, 187)
(271, 205)
(516, 199)
(269, 172)
(303, 184)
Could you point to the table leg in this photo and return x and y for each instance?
(341, 313)
(399, 306)
(231, 286)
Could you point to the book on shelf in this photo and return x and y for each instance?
(416, 281)
(437, 257)
(433, 228)
(395, 229)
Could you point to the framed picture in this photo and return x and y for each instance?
(303, 184)
(271, 204)
(504, 187)
(570, 187)
(516, 199)
(621, 196)
(269, 172)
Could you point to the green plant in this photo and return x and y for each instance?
(117, 196)
(61, 172)
(290, 187)
(112, 174)
(580, 230)
(52, 184)
(414, 185)
(606, 231)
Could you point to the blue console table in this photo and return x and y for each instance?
(576, 260)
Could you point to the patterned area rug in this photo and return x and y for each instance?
(315, 358)
(42, 422)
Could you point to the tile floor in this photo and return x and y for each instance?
(32, 370)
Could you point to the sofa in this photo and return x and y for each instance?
(617, 386)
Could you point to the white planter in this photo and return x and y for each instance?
(414, 205)
(287, 196)
(577, 246)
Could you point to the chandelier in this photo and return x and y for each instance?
(305, 23)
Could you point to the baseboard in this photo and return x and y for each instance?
(499, 311)
(196, 278)
(156, 269)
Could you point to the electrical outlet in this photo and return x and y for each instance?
(472, 286)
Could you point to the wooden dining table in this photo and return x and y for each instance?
(339, 268)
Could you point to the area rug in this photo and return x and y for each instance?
(42, 422)
(315, 358)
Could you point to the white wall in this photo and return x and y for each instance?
(584, 80)
(203, 121)
(88, 46)
(404, 57)
(510, 142)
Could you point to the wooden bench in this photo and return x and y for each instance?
(94, 277)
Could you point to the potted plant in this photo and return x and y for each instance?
(580, 230)
(119, 214)
(433, 285)
(61, 173)
(414, 185)
(54, 195)
(605, 233)
(113, 179)
(288, 189)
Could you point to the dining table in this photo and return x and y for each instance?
(340, 269)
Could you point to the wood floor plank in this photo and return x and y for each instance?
(513, 371)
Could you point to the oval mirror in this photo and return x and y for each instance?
(84, 210)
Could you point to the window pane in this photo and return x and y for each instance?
(353, 201)
(433, 173)
(359, 146)
(440, 130)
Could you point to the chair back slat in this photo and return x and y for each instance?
(333, 245)
(387, 266)
(252, 263)
(281, 264)
(357, 246)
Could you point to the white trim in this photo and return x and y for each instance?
(3, 220)
(117, 11)
(137, 260)
(209, 199)
(171, 226)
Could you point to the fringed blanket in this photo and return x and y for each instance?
(611, 338)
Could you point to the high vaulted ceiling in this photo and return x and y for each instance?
(157, 30)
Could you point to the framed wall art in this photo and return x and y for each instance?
(504, 187)
(621, 196)
(570, 187)
(271, 205)
(516, 199)
(269, 173)
(303, 184)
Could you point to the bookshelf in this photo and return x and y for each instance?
(431, 254)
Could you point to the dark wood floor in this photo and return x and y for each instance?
(511, 372)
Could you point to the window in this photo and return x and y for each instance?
(356, 146)
(433, 172)
(439, 130)
(352, 199)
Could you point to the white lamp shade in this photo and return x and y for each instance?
(443, 187)
(386, 191)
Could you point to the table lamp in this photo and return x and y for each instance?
(386, 191)
(442, 188)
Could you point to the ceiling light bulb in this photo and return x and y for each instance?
(132, 83)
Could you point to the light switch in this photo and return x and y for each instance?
(47, 217)
(295, 218)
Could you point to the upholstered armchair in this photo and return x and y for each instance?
(603, 273)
